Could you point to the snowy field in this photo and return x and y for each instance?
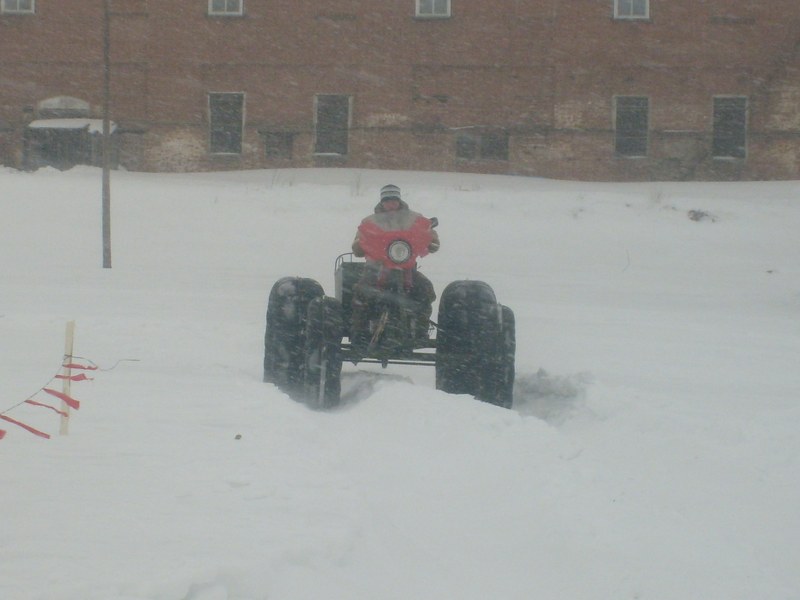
(652, 452)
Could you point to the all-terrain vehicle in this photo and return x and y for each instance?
(309, 335)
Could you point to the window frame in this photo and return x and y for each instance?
(480, 145)
(225, 12)
(433, 15)
(212, 130)
(630, 133)
(718, 138)
(4, 9)
(332, 136)
(618, 15)
(278, 145)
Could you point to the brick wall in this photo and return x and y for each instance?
(544, 72)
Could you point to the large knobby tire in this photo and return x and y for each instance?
(323, 358)
(475, 344)
(500, 383)
(284, 338)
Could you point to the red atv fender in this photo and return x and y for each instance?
(375, 242)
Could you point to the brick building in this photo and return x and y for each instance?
(582, 89)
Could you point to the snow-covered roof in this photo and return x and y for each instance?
(94, 125)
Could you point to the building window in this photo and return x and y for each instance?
(433, 8)
(492, 145)
(226, 112)
(631, 125)
(631, 9)
(331, 124)
(225, 7)
(730, 127)
(278, 144)
(18, 7)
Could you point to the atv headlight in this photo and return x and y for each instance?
(399, 251)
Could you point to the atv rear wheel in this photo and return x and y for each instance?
(284, 338)
(323, 360)
(476, 344)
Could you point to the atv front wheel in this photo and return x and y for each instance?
(475, 344)
(284, 338)
(323, 359)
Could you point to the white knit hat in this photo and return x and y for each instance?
(390, 192)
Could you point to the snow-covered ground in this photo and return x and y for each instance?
(652, 452)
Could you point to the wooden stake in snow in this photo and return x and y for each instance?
(68, 344)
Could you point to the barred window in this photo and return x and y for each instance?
(631, 9)
(730, 127)
(225, 7)
(433, 8)
(631, 124)
(226, 123)
(278, 144)
(332, 124)
(487, 145)
(21, 7)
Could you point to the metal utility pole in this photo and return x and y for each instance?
(106, 138)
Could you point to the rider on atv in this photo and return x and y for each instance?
(391, 214)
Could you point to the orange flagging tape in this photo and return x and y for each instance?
(28, 427)
(78, 377)
(53, 408)
(71, 402)
(77, 366)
